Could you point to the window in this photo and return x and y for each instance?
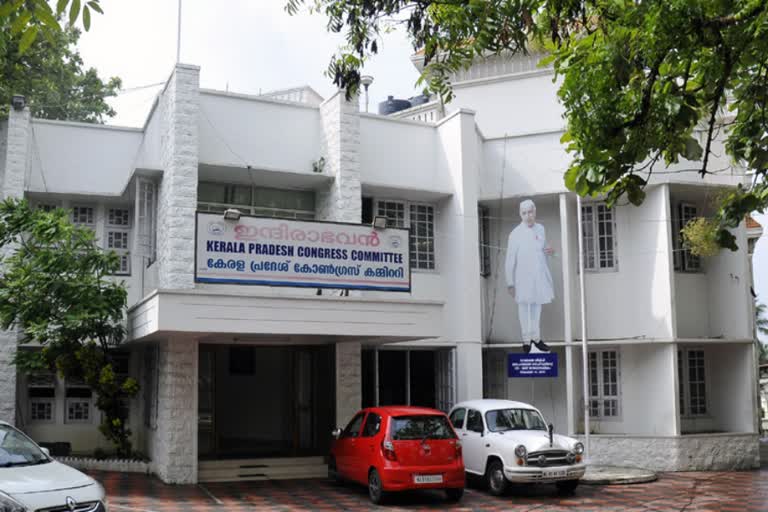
(604, 384)
(372, 425)
(484, 230)
(83, 215)
(683, 259)
(265, 202)
(77, 407)
(411, 428)
(46, 206)
(150, 386)
(692, 382)
(121, 366)
(118, 235)
(420, 218)
(474, 421)
(146, 204)
(353, 428)
(457, 418)
(41, 388)
(598, 232)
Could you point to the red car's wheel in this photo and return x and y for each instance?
(375, 487)
(333, 472)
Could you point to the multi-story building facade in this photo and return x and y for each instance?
(265, 371)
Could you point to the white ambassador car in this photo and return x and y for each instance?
(509, 442)
(31, 481)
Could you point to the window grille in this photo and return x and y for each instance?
(599, 237)
(420, 219)
(604, 398)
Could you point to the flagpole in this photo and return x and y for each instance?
(584, 353)
(178, 35)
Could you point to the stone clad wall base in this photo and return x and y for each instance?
(8, 342)
(348, 382)
(699, 452)
(173, 443)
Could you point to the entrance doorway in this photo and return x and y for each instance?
(420, 377)
(265, 401)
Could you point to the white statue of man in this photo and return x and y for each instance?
(528, 277)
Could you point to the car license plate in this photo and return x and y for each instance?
(555, 474)
(427, 479)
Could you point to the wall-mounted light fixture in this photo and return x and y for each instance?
(380, 222)
(232, 214)
(18, 102)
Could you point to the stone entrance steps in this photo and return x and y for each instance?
(288, 468)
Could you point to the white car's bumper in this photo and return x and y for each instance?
(532, 474)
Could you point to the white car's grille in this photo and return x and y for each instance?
(549, 458)
(89, 506)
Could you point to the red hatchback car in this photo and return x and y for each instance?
(399, 448)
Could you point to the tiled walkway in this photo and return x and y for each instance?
(739, 491)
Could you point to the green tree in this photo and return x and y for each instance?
(50, 74)
(637, 77)
(27, 19)
(55, 289)
(761, 325)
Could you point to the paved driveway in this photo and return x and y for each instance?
(738, 491)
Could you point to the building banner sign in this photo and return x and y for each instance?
(279, 252)
(532, 365)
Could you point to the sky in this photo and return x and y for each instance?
(244, 46)
(248, 46)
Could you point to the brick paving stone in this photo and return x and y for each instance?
(704, 492)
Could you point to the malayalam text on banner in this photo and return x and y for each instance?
(279, 252)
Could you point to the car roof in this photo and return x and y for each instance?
(5, 423)
(403, 410)
(487, 404)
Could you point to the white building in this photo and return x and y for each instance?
(264, 372)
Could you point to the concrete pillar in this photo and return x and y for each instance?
(177, 198)
(173, 445)
(569, 298)
(457, 239)
(15, 153)
(348, 382)
(341, 201)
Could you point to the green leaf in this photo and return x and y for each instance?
(8, 7)
(47, 17)
(60, 6)
(28, 38)
(20, 23)
(86, 18)
(693, 150)
(95, 6)
(74, 11)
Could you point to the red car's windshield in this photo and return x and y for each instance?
(405, 428)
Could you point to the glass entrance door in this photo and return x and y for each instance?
(267, 401)
(206, 391)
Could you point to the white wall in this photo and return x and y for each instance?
(80, 158)
(646, 384)
(635, 300)
(729, 300)
(239, 131)
(401, 154)
(691, 305)
(532, 165)
(731, 386)
(522, 103)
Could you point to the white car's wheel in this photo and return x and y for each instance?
(495, 479)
